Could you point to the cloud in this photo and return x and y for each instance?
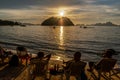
(16, 4)
(77, 10)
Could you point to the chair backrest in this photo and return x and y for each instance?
(77, 67)
(107, 64)
(21, 51)
(1, 51)
(40, 67)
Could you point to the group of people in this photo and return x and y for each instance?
(76, 66)
(76, 61)
(41, 64)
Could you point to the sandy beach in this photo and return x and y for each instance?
(22, 72)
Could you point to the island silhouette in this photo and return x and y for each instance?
(10, 23)
(57, 21)
(105, 24)
(54, 21)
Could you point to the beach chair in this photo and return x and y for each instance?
(4, 54)
(104, 70)
(38, 68)
(22, 54)
(75, 69)
(116, 72)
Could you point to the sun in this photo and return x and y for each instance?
(61, 13)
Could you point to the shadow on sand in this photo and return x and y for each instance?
(10, 72)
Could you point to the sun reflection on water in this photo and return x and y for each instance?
(61, 37)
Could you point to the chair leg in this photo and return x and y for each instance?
(50, 77)
(99, 75)
(78, 78)
(114, 73)
(92, 75)
(61, 77)
(26, 61)
(67, 76)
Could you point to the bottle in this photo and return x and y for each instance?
(57, 67)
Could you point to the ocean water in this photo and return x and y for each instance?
(63, 41)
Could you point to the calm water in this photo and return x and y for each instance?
(63, 41)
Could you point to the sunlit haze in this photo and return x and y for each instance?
(61, 13)
(79, 11)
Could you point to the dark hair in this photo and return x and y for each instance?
(77, 56)
(21, 48)
(109, 53)
(40, 54)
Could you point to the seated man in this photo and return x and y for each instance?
(104, 66)
(76, 68)
(40, 64)
(107, 54)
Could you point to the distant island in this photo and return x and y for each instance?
(54, 21)
(105, 24)
(99, 24)
(57, 21)
(9, 23)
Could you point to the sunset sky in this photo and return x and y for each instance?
(79, 11)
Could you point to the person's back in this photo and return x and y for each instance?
(40, 67)
(107, 56)
(76, 68)
(14, 61)
(40, 64)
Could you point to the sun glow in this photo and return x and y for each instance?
(61, 36)
(61, 13)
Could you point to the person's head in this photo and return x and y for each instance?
(77, 56)
(109, 53)
(40, 54)
(21, 48)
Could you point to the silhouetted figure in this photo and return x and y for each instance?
(40, 64)
(4, 54)
(76, 68)
(14, 61)
(107, 54)
(104, 66)
(22, 54)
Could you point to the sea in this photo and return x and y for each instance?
(63, 41)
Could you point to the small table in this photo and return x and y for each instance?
(55, 71)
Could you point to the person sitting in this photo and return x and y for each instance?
(40, 64)
(76, 68)
(107, 54)
(4, 54)
(14, 61)
(22, 54)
